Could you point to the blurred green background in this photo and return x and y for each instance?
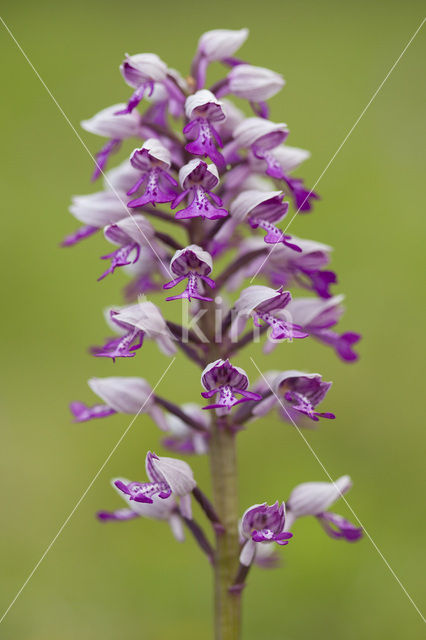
(132, 580)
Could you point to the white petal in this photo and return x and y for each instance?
(185, 506)
(177, 473)
(311, 498)
(132, 228)
(107, 124)
(98, 209)
(149, 65)
(202, 98)
(176, 526)
(254, 83)
(125, 395)
(290, 157)
(246, 201)
(252, 297)
(252, 130)
(221, 43)
(247, 553)
(158, 151)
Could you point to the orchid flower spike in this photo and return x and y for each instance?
(134, 323)
(260, 524)
(197, 179)
(167, 476)
(141, 71)
(158, 509)
(297, 393)
(120, 395)
(154, 161)
(216, 45)
(106, 124)
(226, 380)
(202, 110)
(193, 264)
(262, 303)
(314, 498)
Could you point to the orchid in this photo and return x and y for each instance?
(261, 524)
(154, 160)
(314, 498)
(157, 509)
(205, 192)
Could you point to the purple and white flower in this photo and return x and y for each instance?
(197, 179)
(167, 476)
(130, 396)
(105, 123)
(158, 509)
(141, 71)
(192, 264)
(130, 234)
(95, 211)
(287, 268)
(296, 391)
(222, 379)
(260, 209)
(153, 160)
(202, 110)
(314, 498)
(216, 45)
(260, 524)
(318, 316)
(261, 136)
(270, 156)
(133, 324)
(262, 303)
(255, 84)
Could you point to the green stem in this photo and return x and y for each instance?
(223, 465)
(224, 477)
